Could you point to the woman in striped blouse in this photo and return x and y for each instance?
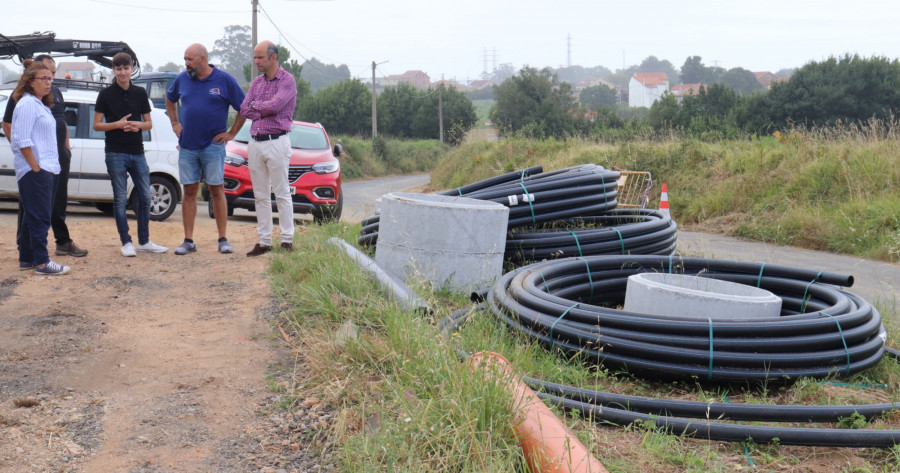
(37, 165)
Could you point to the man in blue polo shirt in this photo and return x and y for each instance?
(205, 93)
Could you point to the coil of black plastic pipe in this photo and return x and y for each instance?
(535, 197)
(569, 303)
(621, 231)
(676, 416)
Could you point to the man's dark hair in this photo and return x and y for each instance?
(272, 49)
(122, 59)
(41, 57)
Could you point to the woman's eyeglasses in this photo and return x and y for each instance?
(45, 79)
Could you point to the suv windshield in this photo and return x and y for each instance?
(302, 137)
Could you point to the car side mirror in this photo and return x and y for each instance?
(338, 150)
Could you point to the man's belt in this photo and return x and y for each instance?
(269, 137)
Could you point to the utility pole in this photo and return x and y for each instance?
(374, 112)
(441, 109)
(255, 4)
(569, 51)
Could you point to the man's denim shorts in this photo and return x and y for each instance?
(207, 163)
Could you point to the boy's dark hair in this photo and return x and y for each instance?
(41, 57)
(122, 59)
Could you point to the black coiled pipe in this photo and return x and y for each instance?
(705, 419)
(622, 231)
(534, 197)
(569, 304)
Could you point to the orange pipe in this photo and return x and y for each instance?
(549, 446)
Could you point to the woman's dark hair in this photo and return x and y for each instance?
(28, 75)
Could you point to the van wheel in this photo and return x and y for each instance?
(163, 198)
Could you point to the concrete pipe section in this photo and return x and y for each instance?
(679, 295)
(452, 242)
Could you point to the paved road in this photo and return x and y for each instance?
(360, 196)
(876, 281)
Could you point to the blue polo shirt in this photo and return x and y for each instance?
(204, 106)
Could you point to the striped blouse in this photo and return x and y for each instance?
(33, 126)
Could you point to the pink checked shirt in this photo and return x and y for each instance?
(273, 103)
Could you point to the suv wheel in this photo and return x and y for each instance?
(163, 198)
(212, 213)
(329, 213)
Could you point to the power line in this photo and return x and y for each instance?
(288, 41)
(168, 9)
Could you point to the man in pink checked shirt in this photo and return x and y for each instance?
(270, 104)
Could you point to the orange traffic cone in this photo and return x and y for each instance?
(664, 201)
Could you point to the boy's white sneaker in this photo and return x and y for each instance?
(151, 247)
(128, 249)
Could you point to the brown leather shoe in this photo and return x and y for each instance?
(70, 249)
(289, 247)
(259, 250)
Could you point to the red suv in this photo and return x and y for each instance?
(314, 173)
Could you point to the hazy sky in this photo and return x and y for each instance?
(457, 38)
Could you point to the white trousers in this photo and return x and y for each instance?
(268, 163)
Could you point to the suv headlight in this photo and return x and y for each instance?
(327, 167)
(235, 160)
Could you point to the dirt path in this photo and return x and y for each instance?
(158, 363)
(154, 363)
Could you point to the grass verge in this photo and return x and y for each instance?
(405, 402)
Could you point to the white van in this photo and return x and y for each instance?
(88, 179)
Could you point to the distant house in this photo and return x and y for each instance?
(448, 83)
(586, 82)
(680, 90)
(479, 84)
(647, 87)
(75, 70)
(416, 79)
(766, 79)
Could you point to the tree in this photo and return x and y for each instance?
(785, 73)
(848, 89)
(741, 80)
(405, 111)
(504, 71)
(345, 107)
(595, 96)
(234, 50)
(459, 115)
(534, 102)
(573, 74)
(652, 64)
(322, 75)
(693, 71)
(395, 110)
(665, 113)
(171, 67)
(147, 67)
